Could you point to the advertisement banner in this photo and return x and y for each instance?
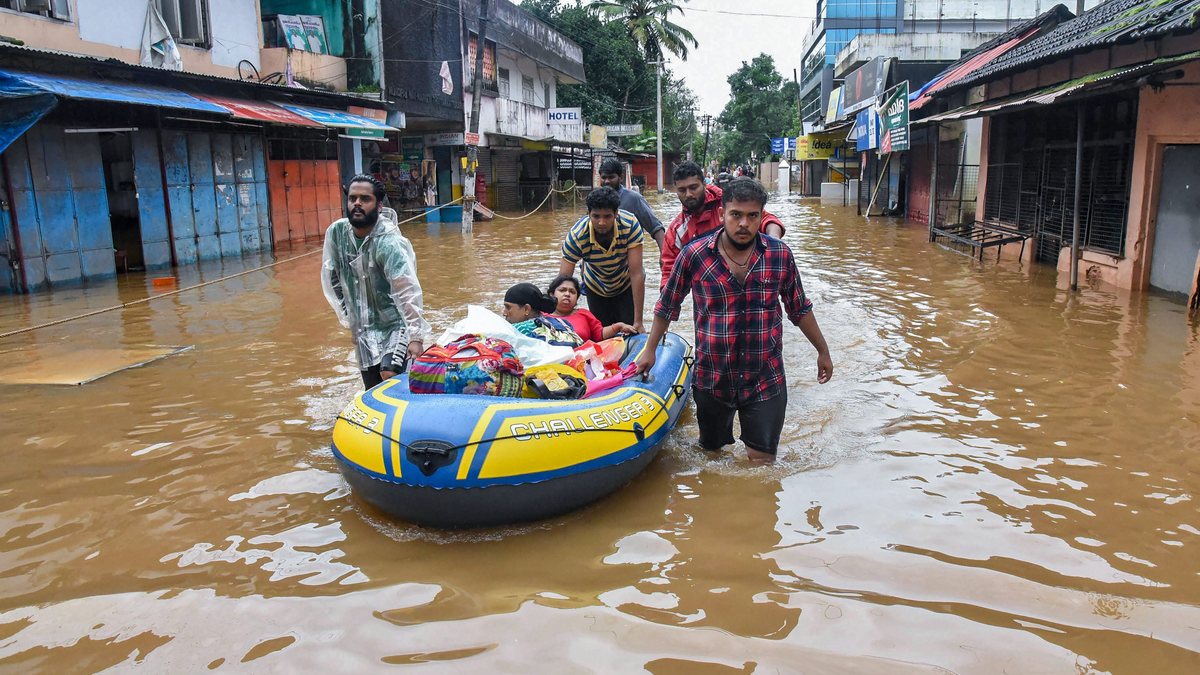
(865, 85)
(866, 130)
(412, 149)
(819, 146)
(893, 118)
(489, 64)
(835, 110)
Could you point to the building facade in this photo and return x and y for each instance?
(145, 135)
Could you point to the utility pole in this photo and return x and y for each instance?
(468, 217)
(659, 64)
(707, 121)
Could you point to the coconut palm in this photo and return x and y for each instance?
(649, 24)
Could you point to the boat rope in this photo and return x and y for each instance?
(638, 429)
(142, 301)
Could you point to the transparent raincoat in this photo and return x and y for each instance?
(372, 285)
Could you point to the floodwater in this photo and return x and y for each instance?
(1001, 477)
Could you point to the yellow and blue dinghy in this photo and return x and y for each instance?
(475, 461)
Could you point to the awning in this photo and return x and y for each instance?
(260, 111)
(114, 91)
(21, 106)
(1117, 78)
(355, 126)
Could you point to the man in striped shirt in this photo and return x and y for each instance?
(608, 241)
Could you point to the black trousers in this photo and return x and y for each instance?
(617, 309)
(371, 377)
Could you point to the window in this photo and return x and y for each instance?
(54, 9)
(527, 89)
(504, 87)
(546, 91)
(186, 19)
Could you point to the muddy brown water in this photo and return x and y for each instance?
(1001, 477)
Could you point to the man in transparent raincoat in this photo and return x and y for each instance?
(369, 275)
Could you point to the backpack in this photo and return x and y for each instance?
(472, 364)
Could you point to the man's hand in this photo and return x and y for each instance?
(637, 328)
(415, 348)
(646, 361)
(386, 374)
(619, 328)
(824, 367)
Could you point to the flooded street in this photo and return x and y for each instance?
(1000, 478)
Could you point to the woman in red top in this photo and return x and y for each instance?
(565, 290)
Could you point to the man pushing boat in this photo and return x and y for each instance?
(369, 276)
(738, 277)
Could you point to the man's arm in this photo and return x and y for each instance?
(666, 310)
(774, 230)
(399, 264)
(637, 279)
(650, 223)
(799, 309)
(668, 252)
(571, 254)
(645, 360)
(331, 283)
(566, 268)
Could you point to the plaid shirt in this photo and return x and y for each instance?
(739, 325)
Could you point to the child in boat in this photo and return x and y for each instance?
(565, 290)
(525, 306)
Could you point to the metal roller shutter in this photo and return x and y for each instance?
(507, 175)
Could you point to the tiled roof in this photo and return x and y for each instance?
(1112, 23)
(988, 52)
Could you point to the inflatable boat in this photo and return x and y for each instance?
(473, 461)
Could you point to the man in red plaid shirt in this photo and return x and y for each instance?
(738, 278)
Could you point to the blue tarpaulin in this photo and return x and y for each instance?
(21, 106)
(336, 118)
(115, 91)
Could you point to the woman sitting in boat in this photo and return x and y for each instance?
(565, 290)
(528, 310)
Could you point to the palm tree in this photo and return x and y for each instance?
(649, 24)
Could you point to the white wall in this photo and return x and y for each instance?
(234, 24)
(236, 31)
(517, 66)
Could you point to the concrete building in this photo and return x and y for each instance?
(887, 28)
(1115, 78)
(140, 134)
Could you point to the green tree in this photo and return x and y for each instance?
(648, 21)
(762, 105)
(620, 87)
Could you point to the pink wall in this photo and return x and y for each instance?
(1164, 118)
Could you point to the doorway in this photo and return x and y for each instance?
(116, 154)
(1176, 229)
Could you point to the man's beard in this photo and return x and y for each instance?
(734, 243)
(692, 204)
(368, 219)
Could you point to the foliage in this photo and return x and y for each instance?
(620, 87)
(762, 105)
(648, 22)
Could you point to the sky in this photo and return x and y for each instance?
(728, 35)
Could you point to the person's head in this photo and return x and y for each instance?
(612, 173)
(363, 199)
(565, 291)
(526, 301)
(689, 185)
(742, 210)
(602, 205)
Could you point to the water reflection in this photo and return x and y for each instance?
(1002, 476)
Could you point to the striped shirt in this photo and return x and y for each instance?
(605, 270)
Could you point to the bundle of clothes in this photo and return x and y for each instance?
(536, 357)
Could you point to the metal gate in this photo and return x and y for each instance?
(1104, 198)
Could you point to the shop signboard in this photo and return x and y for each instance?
(819, 146)
(865, 133)
(564, 116)
(598, 136)
(778, 145)
(865, 85)
(412, 148)
(444, 138)
(893, 117)
(615, 130)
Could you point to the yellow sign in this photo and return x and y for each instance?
(598, 136)
(818, 146)
(833, 112)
